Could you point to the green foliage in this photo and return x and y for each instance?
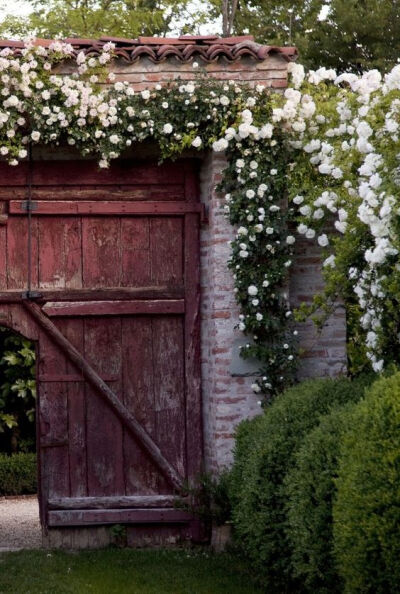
(367, 510)
(356, 36)
(119, 535)
(265, 453)
(55, 19)
(275, 23)
(209, 499)
(246, 436)
(310, 486)
(17, 392)
(18, 474)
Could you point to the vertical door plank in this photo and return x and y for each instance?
(53, 422)
(17, 253)
(51, 253)
(138, 388)
(103, 428)
(169, 389)
(135, 252)
(166, 250)
(73, 331)
(60, 262)
(194, 432)
(101, 251)
(73, 253)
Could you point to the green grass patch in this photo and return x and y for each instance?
(115, 571)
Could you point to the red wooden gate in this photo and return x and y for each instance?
(115, 262)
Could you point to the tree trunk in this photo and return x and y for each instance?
(229, 8)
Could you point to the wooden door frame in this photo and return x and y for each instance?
(193, 408)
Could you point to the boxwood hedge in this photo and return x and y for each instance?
(367, 510)
(265, 452)
(18, 474)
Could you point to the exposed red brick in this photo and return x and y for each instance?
(221, 314)
(278, 83)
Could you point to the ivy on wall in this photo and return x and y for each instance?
(329, 145)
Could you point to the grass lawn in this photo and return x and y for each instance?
(126, 571)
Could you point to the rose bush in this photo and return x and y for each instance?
(328, 143)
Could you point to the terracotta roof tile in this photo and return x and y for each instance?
(184, 48)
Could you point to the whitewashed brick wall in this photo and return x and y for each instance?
(228, 399)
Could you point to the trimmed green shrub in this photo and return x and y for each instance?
(264, 454)
(246, 434)
(18, 474)
(367, 510)
(311, 488)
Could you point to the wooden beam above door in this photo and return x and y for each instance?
(114, 308)
(102, 207)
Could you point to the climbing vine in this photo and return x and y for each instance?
(329, 145)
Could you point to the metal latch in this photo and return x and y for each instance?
(31, 295)
(29, 205)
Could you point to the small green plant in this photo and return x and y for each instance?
(119, 535)
(209, 499)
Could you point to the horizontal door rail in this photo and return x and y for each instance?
(123, 501)
(119, 294)
(100, 192)
(114, 308)
(117, 207)
(89, 517)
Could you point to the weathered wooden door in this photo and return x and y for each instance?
(115, 263)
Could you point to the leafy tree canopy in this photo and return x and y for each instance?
(356, 35)
(273, 22)
(95, 18)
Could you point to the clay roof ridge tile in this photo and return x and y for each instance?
(209, 47)
(169, 50)
(163, 41)
(217, 51)
(229, 41)
(191, 50)
(119, 40)
(144, 50)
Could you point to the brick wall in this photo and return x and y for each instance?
(324, 351)
(226, 399)
(144, 74)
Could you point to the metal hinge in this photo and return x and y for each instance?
(32, 295)
(29, 205)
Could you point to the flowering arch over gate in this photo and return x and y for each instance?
(329, 143)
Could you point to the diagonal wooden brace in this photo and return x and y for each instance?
(128, 419)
